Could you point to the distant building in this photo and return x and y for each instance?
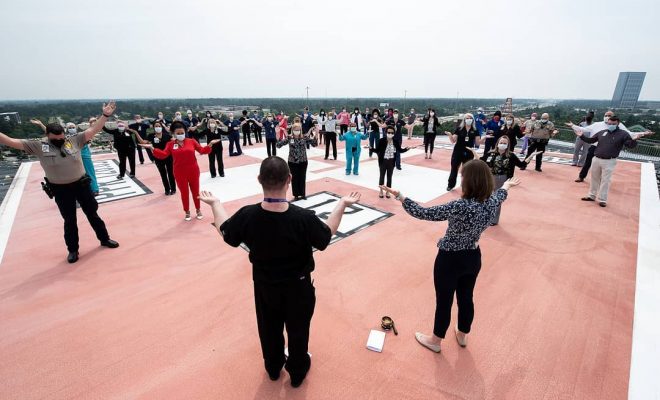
(10, 116)
(507, 107)
(627, 90)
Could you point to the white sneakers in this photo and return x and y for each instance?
(199, 214)
(187, 217)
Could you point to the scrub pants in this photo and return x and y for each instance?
(185, 181)
(352, 159)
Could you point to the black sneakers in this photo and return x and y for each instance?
(110, 243)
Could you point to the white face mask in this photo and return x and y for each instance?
(502, 146)
(231, 117)
(158, 129)
(432, 114)
(270, 119)
(543, 120)
(71, 130)
(533, 117)
(189, 115)
(121, 128)
(178, 117)
(468, 122)
(180, 137)
(211, 126)
(509, 121)
(606, 118)
(296, 133)
(160, 116)
(396, 116)
(390, 135)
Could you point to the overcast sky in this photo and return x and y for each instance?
(339, 48)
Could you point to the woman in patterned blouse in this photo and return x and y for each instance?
(298, 158)
(503, 162)
(459, 257)
(385, 149)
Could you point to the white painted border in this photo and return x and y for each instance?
(645, 357)
(10, 204)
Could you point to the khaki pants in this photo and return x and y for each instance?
(601, 175)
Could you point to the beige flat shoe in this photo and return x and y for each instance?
(420, 339)
(462, 343)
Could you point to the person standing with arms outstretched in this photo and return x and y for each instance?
(66, 179)
(281, 238)
(459, 256)
(186, 170)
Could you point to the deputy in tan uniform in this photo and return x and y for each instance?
(62, 163)
(539, 135)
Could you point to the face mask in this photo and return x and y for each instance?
(375, 116)
(390, 135)
(180, 137)
(296, 133)
(139, 120)
(178, 118)
(611, 128)
(71, 130)
(432, 114)
(208, 115)
(211, 126)
(509, 121)
(158, 130)
(502, 146)
(606, 118)
(189, 115)
(121, 128)
(469, 121)
(544, 121)
(57, 142)
(356, 112)
(533, 117)
(396, 116)
(160, 116)
(353, 129)
(270, 118)
(231, 118)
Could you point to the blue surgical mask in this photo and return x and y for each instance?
(611, 128)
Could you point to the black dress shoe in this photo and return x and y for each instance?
(538, 170)
(274, 376)
(222, 175)
(579, 180)
(110, 243)
(72, 257)
(296, 381)
(587, 198)
(602, 204)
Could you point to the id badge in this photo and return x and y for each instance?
(45, 148)
(467, 138)
(176, 146)
(291, 141)
(156, 140)
(604, 134)
(127, 134)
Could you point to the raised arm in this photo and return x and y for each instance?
(219, 212)
(11, 142)
(335, 216)
(108, 110)
(39, 124)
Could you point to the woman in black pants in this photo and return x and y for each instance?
(459, 257)
(298, 158)
(386, 149)
(159, 140)
(214, 130)
(430, 124)
(330, 135)
(464, 138)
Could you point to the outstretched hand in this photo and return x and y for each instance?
(212, 142)
(351, 199)
(109, 109)
(511, 183)
(147, 145)
(569, 124)
(207, 197)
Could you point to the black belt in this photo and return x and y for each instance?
(605, 158)
(84, 178)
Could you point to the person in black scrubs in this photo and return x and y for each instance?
(281, 238)
(141, 126)
(214, 130)
(125, 145)
(464, 138)
(386, 150)
(511, 130)
(159, 139)
(246, 127)
(430, 124)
